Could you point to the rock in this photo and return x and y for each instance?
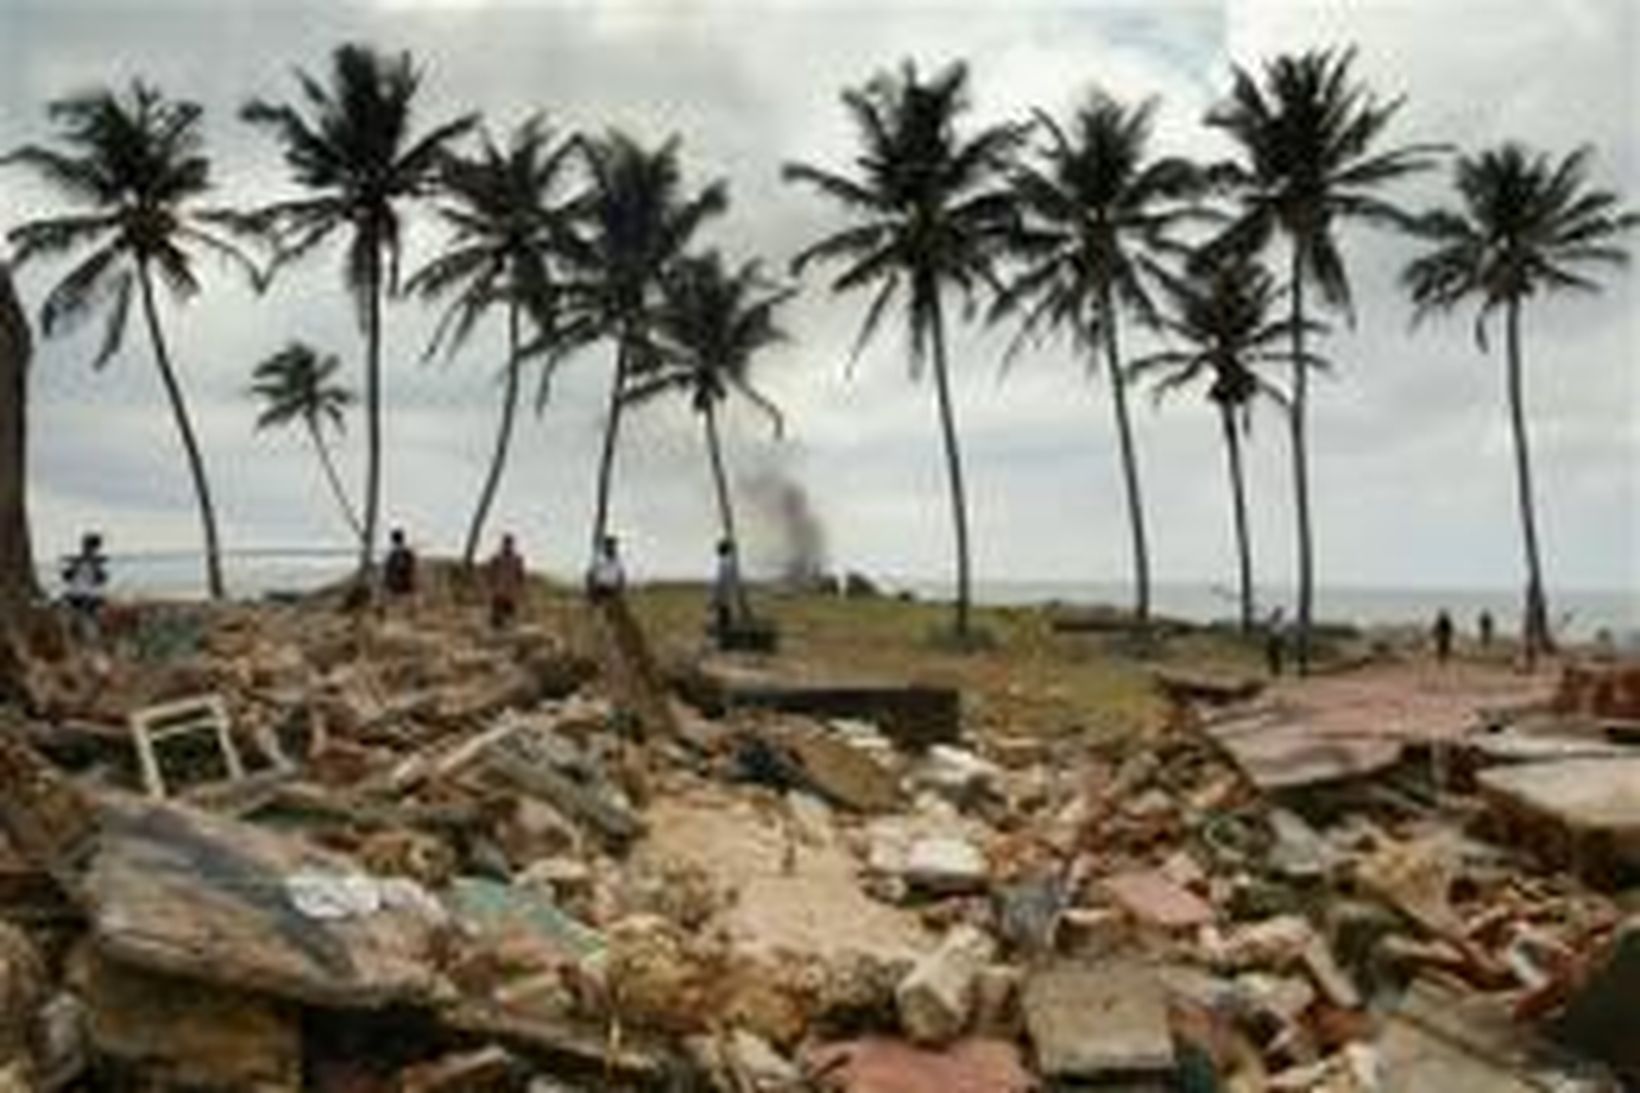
(936, 1000)
(1299, 851)
(946, 865)
(743, 1060)
(841, 772)
(957, 774)
(655, 977)
(1098, 1020)
(1153, 899)
(880, 1065)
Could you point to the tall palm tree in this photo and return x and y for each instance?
(132, 164)
(1221, 315)
(1525, 224)
(1310, 139)
(506, 228)
(927, 214)
(709, 324)
(1097, 212)
(18, 584)
(637, 219)
(350, 144)
(297, 385)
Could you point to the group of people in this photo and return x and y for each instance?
(504, 576)
(1442, 633)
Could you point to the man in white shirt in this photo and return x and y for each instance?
(725, 590)
(606, 578)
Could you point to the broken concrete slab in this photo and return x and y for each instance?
(1101, 1020)
(1579, 813)
(1153, 899)
(882, 1065)
(936, 1000)
(186, 893)
(843, 773)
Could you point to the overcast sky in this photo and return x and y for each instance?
(1412, 473)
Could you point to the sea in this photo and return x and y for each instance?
(1579, 613)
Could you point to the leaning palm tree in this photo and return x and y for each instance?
(132, 163)
(349, 143)
(927, 215)
(507, 222)
(1097, 212)
(1310, 139)
(709, 324)
(1221, 317)
(636, 220)
(298, 386)
(1525, 224)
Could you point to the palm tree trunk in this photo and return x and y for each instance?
(1238, 498)
(372, 417)
(726, 509)
(606, 459)
(18, 584)
(1301, 469)
(190, 445)
(509, 412)
(953, 461)
(1536, 635)
(1130, 465)
(333, 478)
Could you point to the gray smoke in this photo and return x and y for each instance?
(784, 534)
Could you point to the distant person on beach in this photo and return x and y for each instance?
(606, 579)
(1275, 641)
(399, 571)
(1484, 628)
(725, 590)
(84, 576)
(1442, 631)
(506, 580)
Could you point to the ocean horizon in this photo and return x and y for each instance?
(1579, 613)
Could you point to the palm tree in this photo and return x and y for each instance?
(708, 325)
(925, 216)
(1525, 224)
(636, 220)
(1096, 215)
(1310, 141)
(132, 164)
(349, 143)
(18, 584)
(1222, 314)
(295, 385)
(506, 229)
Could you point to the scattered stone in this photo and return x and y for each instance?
(937, 998)
(1153, 899)
(945, 864)
(1099, 1020)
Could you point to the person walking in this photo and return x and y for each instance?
(399, 569)
(1275, 641)
(1442, 631)
(725, 593)
(606, 579)
(85, 575)
(505, 576)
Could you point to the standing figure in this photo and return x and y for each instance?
(84, 576)
(1275, 641)
(725, 591)
(606, 579)
(1442, 631)
(506, 580)
(1484, 629)
(399, 570)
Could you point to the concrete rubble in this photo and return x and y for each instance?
(291, 848)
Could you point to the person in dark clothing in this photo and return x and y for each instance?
(1484, 628)
(84, 576)
(399, 571)
(1442, 631)
(1275, 641)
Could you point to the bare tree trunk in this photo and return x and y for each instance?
(953, 460)
(1301, 470)
(1130, 465)
(18, 585)
(509, 411)
(190, 444)
(1238, 498)
(1536, 630)
(606, 459)
(372, 417)
(334, 479)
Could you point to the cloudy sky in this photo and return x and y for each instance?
(1412, 462)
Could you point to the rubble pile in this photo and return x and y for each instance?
(278, 847)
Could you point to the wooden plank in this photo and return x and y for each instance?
(913, 715)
